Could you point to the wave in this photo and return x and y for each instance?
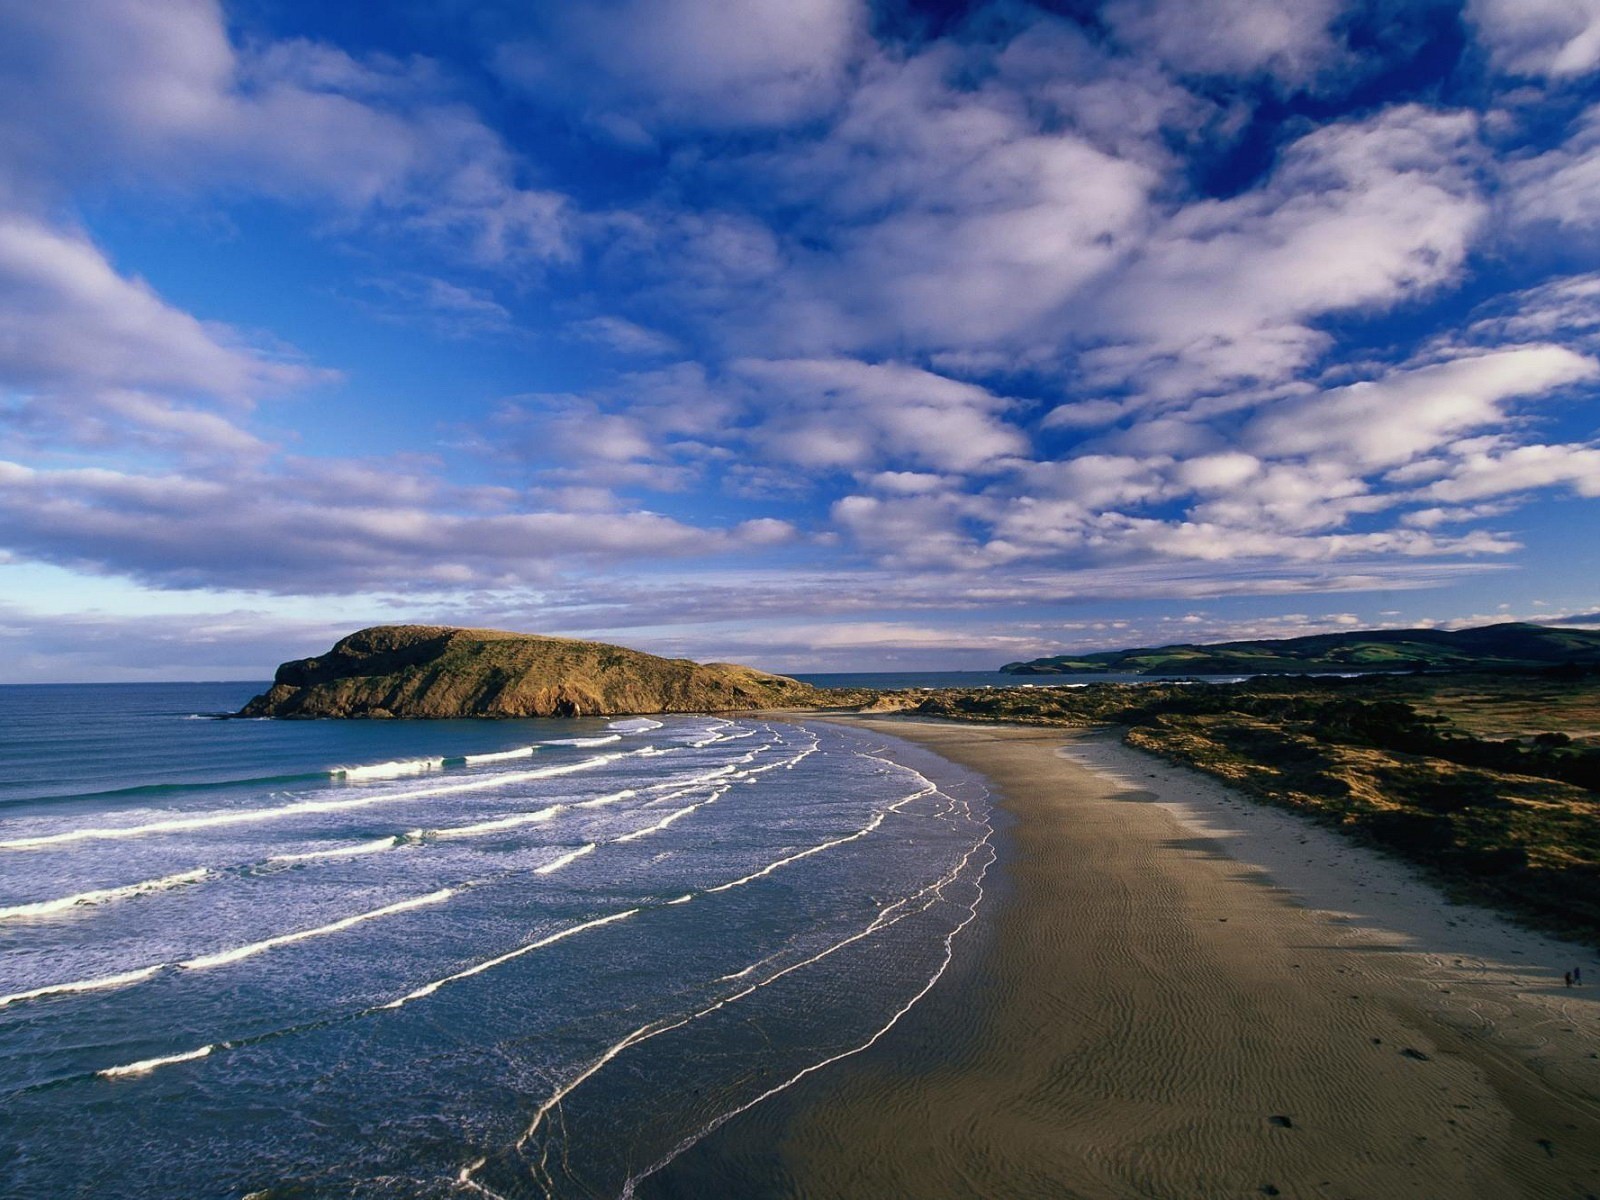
(473, 760)
(670, 818)
(429, 989)
(351, 850)
(41, 908)
(83, 985)
(571, 856)
(894, 1019)
(871, 825)
(389, 770)
(607, 739)
(498, 824)
(635, 725)
(283, 939)
(145, 1066)
(249, 816)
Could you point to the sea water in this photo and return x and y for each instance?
(409, 958)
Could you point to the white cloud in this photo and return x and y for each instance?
(1496, 469)
(1556, 38)
(153, 91)
(1562, 185)
(1357, 216)
(841, 413)
(274, 533)
(717, 64)
(1230, 37)
(1389, 421)
(93, 357)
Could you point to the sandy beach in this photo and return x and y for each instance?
(1178, 993)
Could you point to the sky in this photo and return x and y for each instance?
(815, 334)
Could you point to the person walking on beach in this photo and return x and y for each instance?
(1577, 976)
(1568, 978)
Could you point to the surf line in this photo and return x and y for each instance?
(429, 989)
(88, 899)
(251, 816)
(223, 957)
(645, 1033)
(949, 953)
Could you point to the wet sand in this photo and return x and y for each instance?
(1178, 993)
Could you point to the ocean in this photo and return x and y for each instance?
(416, 959)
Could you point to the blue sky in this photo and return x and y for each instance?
(816, 334)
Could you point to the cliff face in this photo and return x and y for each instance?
(440, 672)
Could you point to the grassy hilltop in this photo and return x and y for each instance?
(437, 671)
(1510, 646)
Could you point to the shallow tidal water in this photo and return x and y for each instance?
(524, 958)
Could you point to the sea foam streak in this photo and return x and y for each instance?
(429, 989)
(150, 1064)
(585, 742)
(250, 816)
(82, 899)
(350, 849)
(389, 770)
(634, 725)
(654, 1029)
(283, 939)
(473, 760)
(871, 825)
(83, 985)
(571, 856)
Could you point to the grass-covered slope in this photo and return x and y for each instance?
(1491, 647)
(440, 672)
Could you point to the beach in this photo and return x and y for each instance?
(1174, 992)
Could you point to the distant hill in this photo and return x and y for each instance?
(1513, 645)
(438, 671)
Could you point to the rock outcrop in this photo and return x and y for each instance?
(437, 671)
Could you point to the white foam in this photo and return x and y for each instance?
(150, 1064)
(669, 819)
(571, 856)
(634, 725)
(495, 826)
(871, 825)
(586, 742)
(283, 939)
(250, 816)
(389, 770)
(352, 849)
(473, 760)
(84, 899)
(602, 801)
(429, 989)
(83, 985)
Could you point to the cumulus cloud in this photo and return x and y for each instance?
(1230, 37)
(1359, 216)
(1390, 421)
(720, 64)
(1555, 38)
(153, 91)
(260, 531)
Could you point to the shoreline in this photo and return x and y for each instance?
(1183, 993)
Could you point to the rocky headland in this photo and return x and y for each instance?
(440, 672)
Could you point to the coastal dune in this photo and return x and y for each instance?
(1149, 1015)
